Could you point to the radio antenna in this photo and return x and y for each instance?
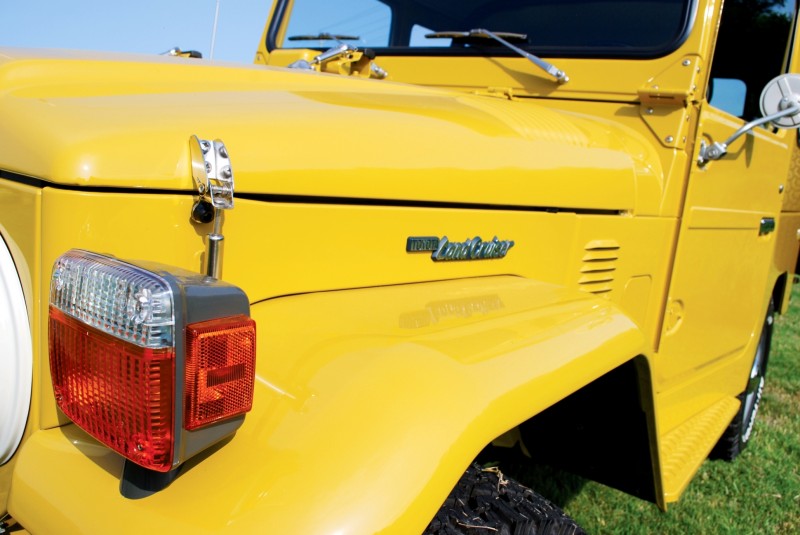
(214, 31)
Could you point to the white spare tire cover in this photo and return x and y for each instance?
(16, 357)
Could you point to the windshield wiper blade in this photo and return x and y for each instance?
(467, 35)
(325, 36)
(560, 76)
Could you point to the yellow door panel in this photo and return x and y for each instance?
(720, 282)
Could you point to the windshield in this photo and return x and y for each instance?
(565, 28)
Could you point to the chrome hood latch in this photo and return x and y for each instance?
(213, 178)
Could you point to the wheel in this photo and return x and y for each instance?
(736, 437)
(485, 501)
(16, 361)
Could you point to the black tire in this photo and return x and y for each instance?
(738, 433)
(485, 501)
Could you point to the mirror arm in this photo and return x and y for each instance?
(717, 150)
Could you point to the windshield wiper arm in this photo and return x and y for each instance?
(560, 76)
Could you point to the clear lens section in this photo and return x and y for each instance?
(114, 297)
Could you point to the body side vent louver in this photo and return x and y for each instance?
(599, 264)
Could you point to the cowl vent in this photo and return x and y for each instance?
(598, 267)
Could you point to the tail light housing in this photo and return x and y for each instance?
(154, 362)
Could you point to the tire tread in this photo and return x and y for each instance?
(485, 501)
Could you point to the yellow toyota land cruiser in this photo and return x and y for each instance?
(301, 296)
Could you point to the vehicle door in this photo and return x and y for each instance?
(719, 288)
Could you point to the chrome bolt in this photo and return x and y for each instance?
(226, 172)
(686, 63)
(223, 152)
(669, 139)
(650, 111)
(780, 188)
(208, 167)
(205, 145)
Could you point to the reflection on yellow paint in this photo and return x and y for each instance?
(461, 308)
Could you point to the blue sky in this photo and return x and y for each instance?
(147, 26)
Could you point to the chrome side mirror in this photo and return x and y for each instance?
(780, 105)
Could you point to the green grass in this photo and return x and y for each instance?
(757, 493)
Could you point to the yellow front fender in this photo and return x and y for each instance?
(369, 405)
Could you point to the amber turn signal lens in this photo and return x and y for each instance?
(220, 370)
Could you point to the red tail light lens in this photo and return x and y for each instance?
(220, 370)
(118, 392)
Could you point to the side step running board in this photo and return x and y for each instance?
(685, 448)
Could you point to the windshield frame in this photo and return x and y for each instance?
(490, 48)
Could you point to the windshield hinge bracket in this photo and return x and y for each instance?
(677, 85)
(663, 96)
(667, 101)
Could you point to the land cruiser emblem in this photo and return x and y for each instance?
(443, 249)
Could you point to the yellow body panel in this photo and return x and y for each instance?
(101, 222)
(357, 370)
(20, 229)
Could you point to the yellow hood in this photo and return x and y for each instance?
(102, 120)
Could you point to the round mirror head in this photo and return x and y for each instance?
(780, 94)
